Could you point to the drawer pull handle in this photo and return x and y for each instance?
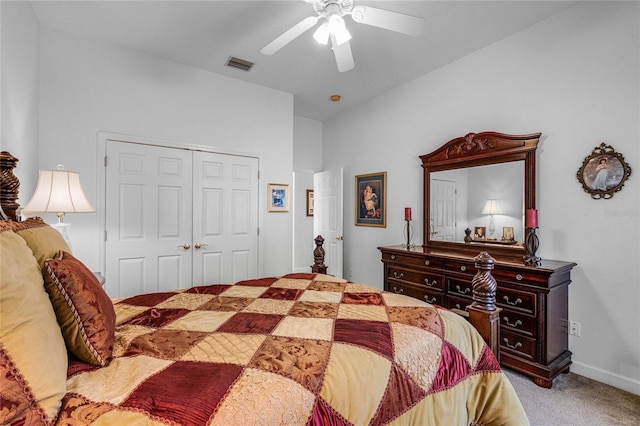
(432, 300)
(398, 275)
(398, 290)
(426, 262)
(465, 291)
(519, 277)
(458, 306)
(393, 257)
(517, 346)
(430, 284)
(514, 325)
(517, 302)
(463, 268)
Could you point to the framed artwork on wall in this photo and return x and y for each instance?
(309, 202)
(603, 172)
(277, 197)
(371, 200)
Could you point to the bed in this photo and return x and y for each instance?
(304, 348)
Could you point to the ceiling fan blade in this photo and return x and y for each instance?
(344, 57)
(289, 35)
(394, 21)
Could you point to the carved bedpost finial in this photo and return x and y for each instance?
(318, 257)
(484, 285)
(9, 185)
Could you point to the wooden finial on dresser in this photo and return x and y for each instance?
(9, 186)
(483, 313)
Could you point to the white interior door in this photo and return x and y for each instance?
(148, 219)
(328, 217)
(225, 227)
(443, 214)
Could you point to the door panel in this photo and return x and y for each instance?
(443, 222)
(177, 218)
(226, 228)
(327, 219)
(148, 218)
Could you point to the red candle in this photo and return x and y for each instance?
(407, 213)
(531, 219)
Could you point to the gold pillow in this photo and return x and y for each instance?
(85, 312)
(43, 240)
(32, 350)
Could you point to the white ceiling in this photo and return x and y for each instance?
(204, 34)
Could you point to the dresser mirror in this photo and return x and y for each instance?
(482, 182)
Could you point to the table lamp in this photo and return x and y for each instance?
(59, 191)
(491, 207)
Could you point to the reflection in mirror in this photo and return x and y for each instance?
(459, 199)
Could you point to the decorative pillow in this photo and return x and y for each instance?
(43, 240)
(33, 357)
(85, 312)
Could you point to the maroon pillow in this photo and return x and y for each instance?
(85, 312)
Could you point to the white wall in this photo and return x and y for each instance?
(307, 159)
(573, 77)
(88, 86)
(19, 91)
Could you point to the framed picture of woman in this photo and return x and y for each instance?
(371, 200)
(603, 172)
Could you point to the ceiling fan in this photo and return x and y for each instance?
(333, 28)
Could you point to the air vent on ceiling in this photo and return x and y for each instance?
(241, 64)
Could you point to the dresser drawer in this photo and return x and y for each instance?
(428, 279)
(458, 304)
(405, 259)
(524, 347)
(516, 301)
(517, 323)
(418, 292)
(467, 268)
(458, 287)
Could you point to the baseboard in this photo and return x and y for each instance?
(624, 383)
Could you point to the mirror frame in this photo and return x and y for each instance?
(480, 149)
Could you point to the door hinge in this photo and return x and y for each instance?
(105, 161)
(258, 174)
(105, 235)
(258, 229)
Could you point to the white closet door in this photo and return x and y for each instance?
(148, 219)
(225, 228)
(443, 210)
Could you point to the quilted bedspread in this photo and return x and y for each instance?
(294, 350)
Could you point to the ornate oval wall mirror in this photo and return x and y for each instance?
(482, 183)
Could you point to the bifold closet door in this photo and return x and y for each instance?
(148, 219)
(225, 219)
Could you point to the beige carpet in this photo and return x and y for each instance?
(575, 401)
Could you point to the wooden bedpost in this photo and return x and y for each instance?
(483, 313)
(318, 266)
(9, 186)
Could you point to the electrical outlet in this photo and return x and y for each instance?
(574, 328)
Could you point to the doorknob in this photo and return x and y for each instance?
(339, 238)
(185, 246)
(198, 245)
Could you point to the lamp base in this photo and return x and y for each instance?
(63, 228)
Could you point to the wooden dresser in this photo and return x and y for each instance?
(534, 320)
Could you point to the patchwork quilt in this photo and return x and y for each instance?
(301, 349)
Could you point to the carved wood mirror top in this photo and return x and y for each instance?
(490, 178)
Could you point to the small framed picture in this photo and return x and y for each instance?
(507, 233)
(309, 202)
(371, 200)
(480, 233)
(603, 172)
(277, 197)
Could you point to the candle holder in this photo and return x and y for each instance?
(531, 244)
(408, 234)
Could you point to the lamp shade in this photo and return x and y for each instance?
(491, 207)
(58, 191)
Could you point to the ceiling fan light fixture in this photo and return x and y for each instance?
(322, 33)
(338, 29)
